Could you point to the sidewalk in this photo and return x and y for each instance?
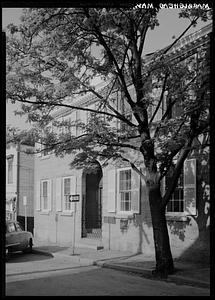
(186, 272)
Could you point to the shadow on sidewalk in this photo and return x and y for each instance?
(51, 249)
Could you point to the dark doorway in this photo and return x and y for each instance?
(92, 202)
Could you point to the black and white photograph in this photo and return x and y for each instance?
(107, 162)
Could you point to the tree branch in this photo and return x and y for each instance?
(161, 98)
(120, 117)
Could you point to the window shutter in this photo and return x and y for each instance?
(73, 190)
(190, 186)
(49, 195)
(38, 196)
(111, 190)
(58, 194)
(135, 192)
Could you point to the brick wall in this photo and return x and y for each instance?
(26, 181)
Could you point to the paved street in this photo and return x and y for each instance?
(39, 275)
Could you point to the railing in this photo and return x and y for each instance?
(94, 234)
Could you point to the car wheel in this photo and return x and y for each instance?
(29, 247)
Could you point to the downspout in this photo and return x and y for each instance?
(17, 180)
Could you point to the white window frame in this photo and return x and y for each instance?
(185, 212)
(48, 208)
(124, 192)
(176, 213)
(71, 206)
(66, 195)
(133, 192)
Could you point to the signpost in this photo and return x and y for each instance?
(25, 205)
(75, 199)
(110, 220)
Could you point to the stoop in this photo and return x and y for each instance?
(90, 243)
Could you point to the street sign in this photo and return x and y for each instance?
(24, 200)
(25, 204)
(74, 198)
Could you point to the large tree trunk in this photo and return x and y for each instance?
(163, 255)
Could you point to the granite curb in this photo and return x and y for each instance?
(147, 273)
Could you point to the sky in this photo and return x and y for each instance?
(161, 36)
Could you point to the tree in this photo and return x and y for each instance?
(57, 52)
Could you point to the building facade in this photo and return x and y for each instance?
(112, 209)
(20, 184)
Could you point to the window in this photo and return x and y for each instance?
(183, 199)
(44, 195)
(66, 193)
(65, 187)
(125, 190)
(176, 203)
(68, 126)
(10, 169)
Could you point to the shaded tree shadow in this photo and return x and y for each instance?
(18, 257)
(199, 250)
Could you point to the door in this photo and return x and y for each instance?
(92, 204)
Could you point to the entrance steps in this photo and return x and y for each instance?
(90, 243)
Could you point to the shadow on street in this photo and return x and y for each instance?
(18, 257)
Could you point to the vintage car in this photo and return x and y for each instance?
(17, 239)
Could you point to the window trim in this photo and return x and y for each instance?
(120, 213)
(181, 216)
(177, 213)
(66, 211)
(47, 210)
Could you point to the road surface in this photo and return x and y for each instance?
(38, 275)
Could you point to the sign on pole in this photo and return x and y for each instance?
(74, 198)
(25, 204)
(24, 200)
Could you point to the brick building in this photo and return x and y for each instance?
(113, 208)
(20, 183)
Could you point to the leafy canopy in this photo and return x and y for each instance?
(57, 55)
